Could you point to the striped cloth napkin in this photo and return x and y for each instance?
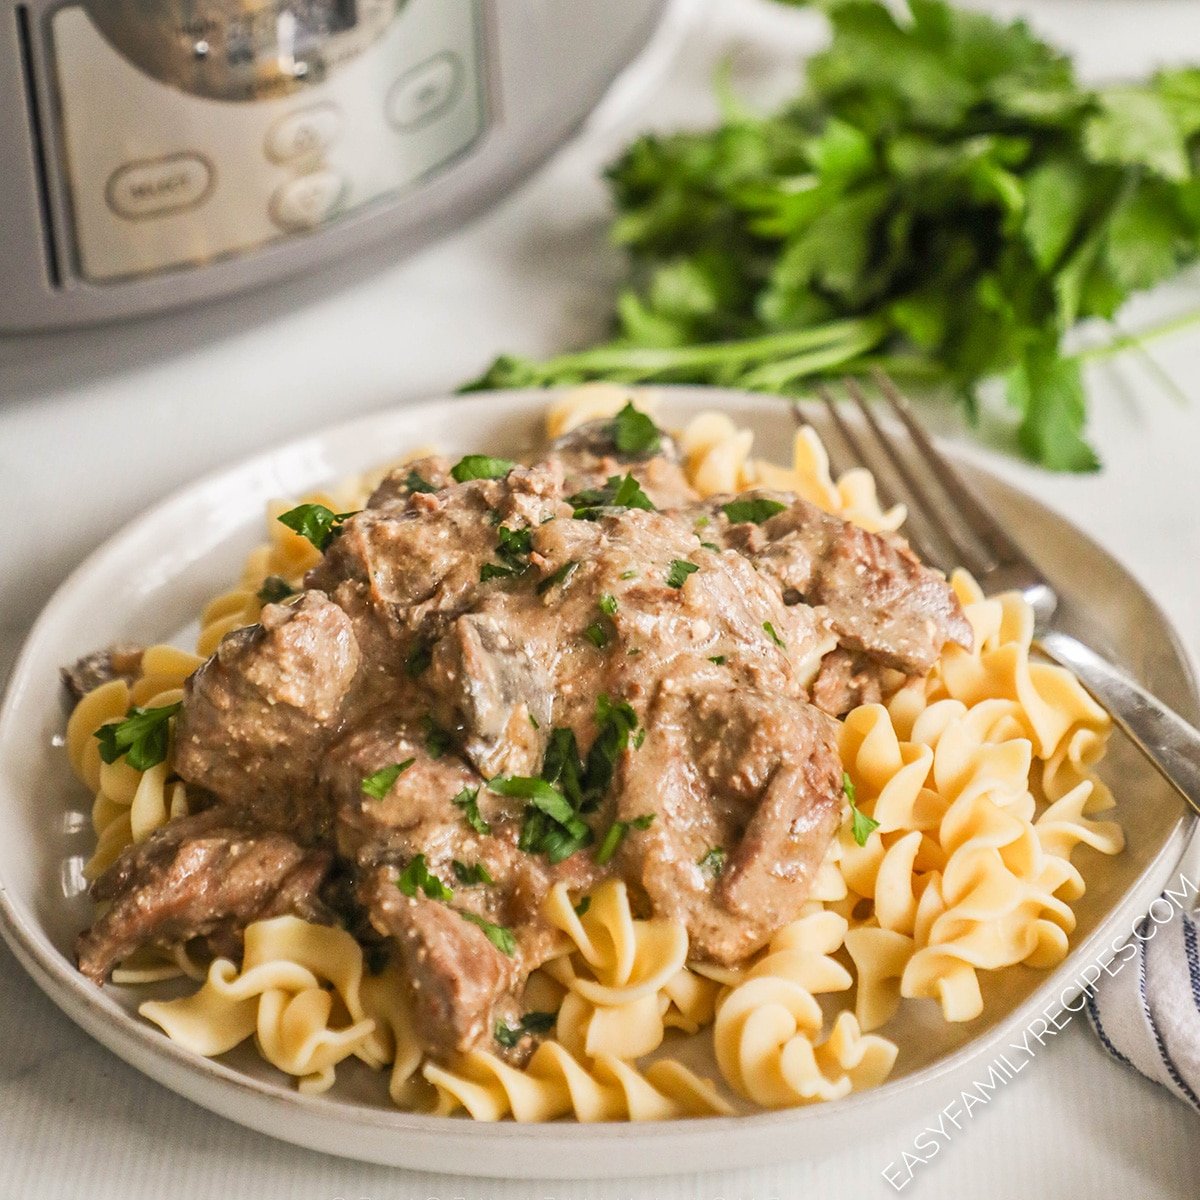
(1147, 1015)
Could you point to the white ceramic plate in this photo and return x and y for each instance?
(150, 580)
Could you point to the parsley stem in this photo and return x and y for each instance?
(634, 362)
(776, 375)
(1129, 341)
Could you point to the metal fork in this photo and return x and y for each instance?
(952, 529)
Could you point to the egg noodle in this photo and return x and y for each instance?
(980, 777)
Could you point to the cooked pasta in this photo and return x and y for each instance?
(977, 782)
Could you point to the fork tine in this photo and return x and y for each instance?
(982, 524)
(965, 555)
(885, 494)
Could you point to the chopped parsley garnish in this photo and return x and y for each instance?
(616, 835)
(512, 548)
(617, 493)
(141, 737)
(437, 739)
(754, 510)
(711, 546)
(701, 522)
(468, 801)
(415, 483)
(418, 660)
(774, 636)
(597, 635)
(531, 1023)
(618, 725)
(627, 575)
(719, 659)
(680, 570)
(495, 571)
(861, 826)
(562, 767)
(472, 876)
(583, 905)
(380, 783)
(500, 937)
(713, 863)
(534, 721)
(552, 826)
(608, 604)
(274, 590)
(417, 877)
(480, 466)
(635, 433)
(561, 575)
(315, 522)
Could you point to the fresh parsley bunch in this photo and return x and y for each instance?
(943, 200)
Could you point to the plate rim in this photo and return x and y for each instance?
(144, 1047)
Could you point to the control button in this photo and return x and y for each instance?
(424, 93)
(153, 187)
(303, 132)
(306, 201)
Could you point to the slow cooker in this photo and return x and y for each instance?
(160, 152)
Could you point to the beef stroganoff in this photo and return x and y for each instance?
(510, 780)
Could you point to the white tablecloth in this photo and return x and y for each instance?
(95, 425)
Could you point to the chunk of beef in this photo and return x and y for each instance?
(404, 572)
(458, 977)
(94, 670)
(494, 690)
(880, 599)
(589, 457)
(431, 473)
(751, 776)
(198, 877)
(258, 715)
(416, 813)
(847, 680)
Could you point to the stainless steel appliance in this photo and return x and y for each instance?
(159, 152)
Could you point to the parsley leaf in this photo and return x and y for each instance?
(597, 635)
(531, 1023)
(713, 862)
(480, 466)
(719, 659)
(416, 877)
(468, 801)
(608, 604)
(770, 630)
(473, 875)
(142, 736)
(314, 522)
(618, 493)
(861, 826)
(582, 907)
(755, 509)
(501, 938)
(635, 433)
(274, 590)
(680, 570)
(415, 483)
(380, 783)
(616, 834)
(560, 575)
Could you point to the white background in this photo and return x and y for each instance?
(98, 424)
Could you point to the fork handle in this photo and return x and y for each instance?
(1170, 743)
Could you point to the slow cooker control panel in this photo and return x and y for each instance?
(162, 178)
